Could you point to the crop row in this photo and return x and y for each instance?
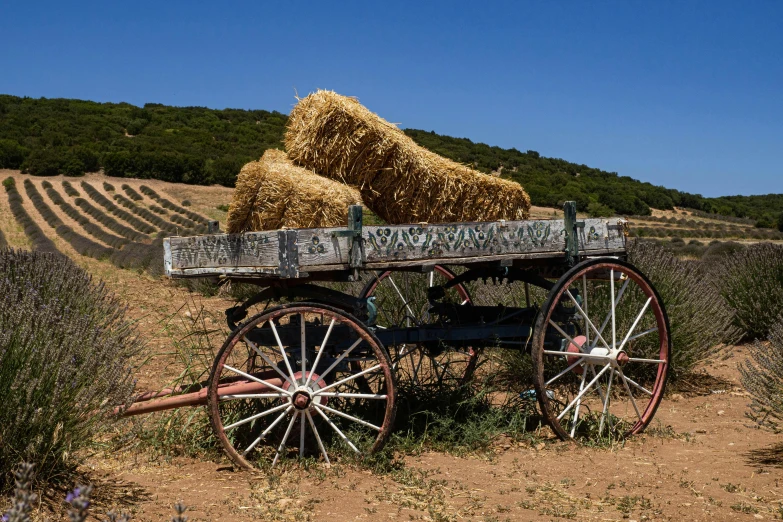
(158, 210)
(91, 228)
(70, 190)
(691, 223)
(39, 241)
(165, 203)
(147, 215)
(188, 224)
(705, 215)
(747, 233)
(84, 246)
(141, 256)
(108, 187)
(135, 196)
(102, 200)
(109, 222)
(134, 256)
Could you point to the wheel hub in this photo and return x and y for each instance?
(305, 388)
(301, 400)
(614, 357)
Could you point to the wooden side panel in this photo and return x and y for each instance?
(258, 249)
(318, 249)
(460, 240)
(320, 246)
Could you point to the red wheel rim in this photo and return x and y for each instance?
(322, 404)
(638, 347)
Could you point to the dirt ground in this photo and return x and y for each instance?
(702, 460)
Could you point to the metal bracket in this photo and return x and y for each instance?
(288, 253)
(571, 234)
(356, 258)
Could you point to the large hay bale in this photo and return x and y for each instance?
(400, 181)
(273, 193)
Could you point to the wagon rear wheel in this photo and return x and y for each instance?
(296, 380)
(401, 300)
(601, 352)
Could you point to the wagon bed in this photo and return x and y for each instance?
(303, 252)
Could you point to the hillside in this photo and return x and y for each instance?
(206, 146)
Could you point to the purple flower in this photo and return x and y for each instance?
(73, 495)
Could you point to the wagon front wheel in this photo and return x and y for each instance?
(300, 380)
(601, 352)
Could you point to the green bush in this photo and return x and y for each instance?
(73, 167)
(65, 362)
(762, 376)
(701, 322)
(751, 282)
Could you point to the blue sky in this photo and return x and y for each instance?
(682, 94)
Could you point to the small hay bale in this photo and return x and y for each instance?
(335, 136)
(273, 193)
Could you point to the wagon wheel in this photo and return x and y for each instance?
(320, 378)
(601, 351)
(401, 300)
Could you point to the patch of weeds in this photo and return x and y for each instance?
(732, 488)
(195, 334)
(461, 419)
(743, 507)
(626, 504)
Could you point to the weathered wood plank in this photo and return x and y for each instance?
(224, 250)
(329, 248)
(318, 246)
(402, 242)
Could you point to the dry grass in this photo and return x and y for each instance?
(337, 137)
(273, 193)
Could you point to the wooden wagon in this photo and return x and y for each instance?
(324, 367)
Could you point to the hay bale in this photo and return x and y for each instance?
(337, 137)
(273, 193)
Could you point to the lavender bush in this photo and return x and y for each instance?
(762, 376)
(701, 322)
(69, 189)
(135, 196)
(751, 282)
(65, 361)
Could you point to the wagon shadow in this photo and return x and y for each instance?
(700, 383)
(767, 456)
(109, 493)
